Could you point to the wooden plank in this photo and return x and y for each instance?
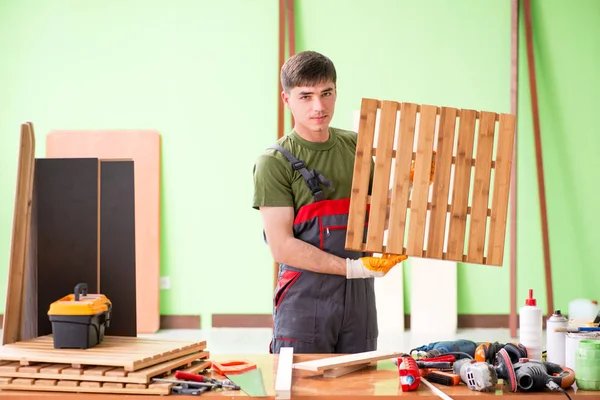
(500, 194)
(381, 176)
(117, 244)
(345, 360)
(101, 373)
(283, 381)
(441, 183)
(420, 192)
(86, 387)
(461, 185)
(481, 187)
(362, 174)
(11, 331)
(400, 187)
(143, 147)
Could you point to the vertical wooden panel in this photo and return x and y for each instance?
(381, 176)
(400, 188)
(461, 185)
(502, 174)
(418, 208)
(20, 237)
(67, 227)
(441, 184)
(117, 244)
(481, 187)
(362, 174)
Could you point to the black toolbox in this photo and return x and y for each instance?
(79, 320)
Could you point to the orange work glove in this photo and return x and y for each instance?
(431, 174)
(369, 267)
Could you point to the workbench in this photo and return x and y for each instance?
(378, 381)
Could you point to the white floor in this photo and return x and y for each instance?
(256, 340)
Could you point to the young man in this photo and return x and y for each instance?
(324, 301)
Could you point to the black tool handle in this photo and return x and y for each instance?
(80, 288)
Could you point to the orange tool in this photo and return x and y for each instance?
(232, 367)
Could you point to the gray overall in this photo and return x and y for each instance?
(315, 312)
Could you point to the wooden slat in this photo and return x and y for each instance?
(502, 174)
(418, 208)
(20, 236)
(441, 184)
(362, 173)
(461, 185)
(481, 187)
(400, 187)
(328, 363)
(381, 176)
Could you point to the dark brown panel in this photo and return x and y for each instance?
(180, 322)
(67, 229)
(117, 244)
(242, 320)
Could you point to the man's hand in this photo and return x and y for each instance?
(368, 267)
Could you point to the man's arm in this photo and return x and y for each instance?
(285, 248)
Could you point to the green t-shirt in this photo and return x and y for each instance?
(276, 184)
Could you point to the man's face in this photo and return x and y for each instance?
(312, 106)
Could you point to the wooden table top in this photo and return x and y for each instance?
(379, 381)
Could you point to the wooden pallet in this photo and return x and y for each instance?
(90, 386)
(456, 217)
(130, 353)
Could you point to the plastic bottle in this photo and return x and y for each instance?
(555, 341)
(583, 309)
(530, 327)
(587, 365)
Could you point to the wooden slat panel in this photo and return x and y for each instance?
(400, 188)
(481, 187)
(381, 176)
(506, 132)
(20, 237)
(361, 176)
(418, 208)
(441, 184)
(461, 185)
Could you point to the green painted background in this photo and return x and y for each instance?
(204, 74)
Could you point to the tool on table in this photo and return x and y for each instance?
(184, 389)
(573, 329)
(79, 319)
(244, 374)
(434, 365)
(188, 387)
(488, 351)
(443, 378)
(225, 383)
(455, 347)
(410, 378)
(478, 375)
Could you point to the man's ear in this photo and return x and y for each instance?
(286, 98)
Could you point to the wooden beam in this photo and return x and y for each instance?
(538, 155)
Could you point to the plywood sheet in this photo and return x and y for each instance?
(143, 147)
(461, 215)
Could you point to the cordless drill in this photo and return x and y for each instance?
(437, 349)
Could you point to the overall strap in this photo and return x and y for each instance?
(313, 178)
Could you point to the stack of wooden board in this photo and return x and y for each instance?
(117, 365)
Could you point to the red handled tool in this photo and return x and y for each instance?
(226, 383)
(410, 378)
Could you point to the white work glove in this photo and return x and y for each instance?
(369, 267)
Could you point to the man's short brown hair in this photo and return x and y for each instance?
(307, 68)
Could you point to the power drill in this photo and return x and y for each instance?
(437, 349)
(478, 375)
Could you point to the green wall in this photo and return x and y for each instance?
(204, 74)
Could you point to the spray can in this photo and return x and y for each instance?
(530, 327)
(555, 341)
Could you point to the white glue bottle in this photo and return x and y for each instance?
(555, 341)
(530, 327)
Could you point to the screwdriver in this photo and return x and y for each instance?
(201, 378)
